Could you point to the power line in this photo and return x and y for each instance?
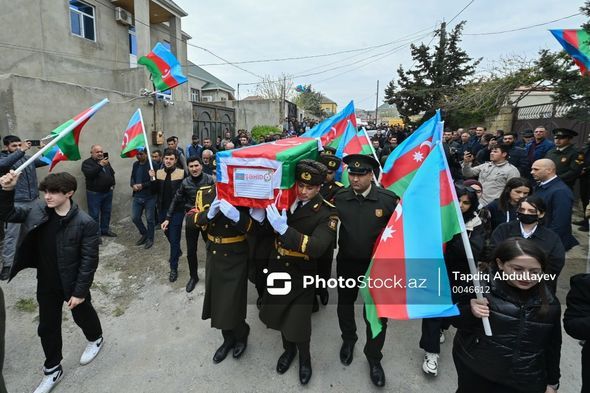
(460, 12)
(526, 27)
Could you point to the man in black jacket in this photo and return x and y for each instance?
(61, 242)
(100, 182)
(185, 196)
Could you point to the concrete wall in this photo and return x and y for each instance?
(32, 107)
(250, 113)
(502, 121)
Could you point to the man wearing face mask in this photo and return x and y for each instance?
(530, 213)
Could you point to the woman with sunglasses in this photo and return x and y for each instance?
(529, 225)
(504, 208)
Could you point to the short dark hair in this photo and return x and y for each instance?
(59, 182)
(171, 139)
(194, 158)
(8, 139)
(503, 147)
(157, 151)
(171, 152)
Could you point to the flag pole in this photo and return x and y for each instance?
(147, 144)
(466, 244)
(61, 135)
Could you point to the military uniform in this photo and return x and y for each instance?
(226, 275)
(566, 161)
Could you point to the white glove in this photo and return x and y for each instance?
(276, 219)
(257, 213)
(213, 209)
(229, 211)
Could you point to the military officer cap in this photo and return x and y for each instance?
(360, 164)
(329, 151)
(564, 133)
(311, 172)
(528, 134)
(330, 161)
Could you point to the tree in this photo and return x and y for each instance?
(310, 100)
(440, 74)
(275, 88)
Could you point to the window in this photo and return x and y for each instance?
(195, 95)
(132, 47)
(82, 20)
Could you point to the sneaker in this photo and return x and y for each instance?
(442, 337)
(92, 349)
(50, 379)
(430, 365)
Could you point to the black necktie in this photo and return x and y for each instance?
(299, 204)
(360, 197)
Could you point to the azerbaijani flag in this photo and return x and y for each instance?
(256, 176)
(411, 253)
(366, 146)
(402, 164)
(576, 44)
(134, 137)
(330, 130)
(165, 69)
(66, 149)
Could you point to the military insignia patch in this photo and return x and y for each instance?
(356, 164)
(563, 159)
(306, 176)
(332, 164)
(378, 212)
(333, 223)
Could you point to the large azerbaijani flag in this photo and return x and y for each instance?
(66, 149)
(134, 137)
(256, 176)
(402, 164)
(412, 252)
(331, 130)
(577, 44)
(165, 69)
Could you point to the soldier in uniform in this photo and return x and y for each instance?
(303, 235)
(226, 271)
(364, 210)
(565, 156)
(329, 189)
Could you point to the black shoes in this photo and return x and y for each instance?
(173, 275)
(141, 240)
(191, 284)
(222, 351)
(304, 371)
(346, 352)
(5, 273)
(241, 345)
(259, 303)
(583, 228)
(148, 243)
(109, 234)
(285, 361)
(324, 297)
(377, 374)
(581, 222)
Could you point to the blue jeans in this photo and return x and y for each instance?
(173, 233)
(100, 204)
(148, 205)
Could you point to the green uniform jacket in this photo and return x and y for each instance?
(567, 166)
(312, 230)
(226, 271)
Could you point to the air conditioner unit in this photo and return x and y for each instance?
(123, 16)
(207, 99)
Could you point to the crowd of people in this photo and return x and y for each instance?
(514, 193)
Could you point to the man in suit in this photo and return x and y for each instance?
(558, 198)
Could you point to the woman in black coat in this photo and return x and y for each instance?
(576, 320)
(504, 208)
(529, 225)
(523, 353)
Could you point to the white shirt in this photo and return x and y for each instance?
(547, 181)
(294, 205)
(526, 234)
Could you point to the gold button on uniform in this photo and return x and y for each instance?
(214, 252)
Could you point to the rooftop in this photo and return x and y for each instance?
(212, 81)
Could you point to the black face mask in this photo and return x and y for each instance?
(527, 218)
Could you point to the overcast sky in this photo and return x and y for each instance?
(242, 30)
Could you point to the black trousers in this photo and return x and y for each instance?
(192, 241)
(346, 299)
(431, 328)
(325, 268)
(239, 333)
(302, 347)
(50, 315)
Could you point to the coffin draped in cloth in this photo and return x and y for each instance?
(257, 176)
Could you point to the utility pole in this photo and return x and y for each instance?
(377, 105)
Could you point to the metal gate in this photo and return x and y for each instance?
(212, 121)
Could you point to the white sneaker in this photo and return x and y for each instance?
(92, 349)
(50, 379)
(430, 365)
(442, 337)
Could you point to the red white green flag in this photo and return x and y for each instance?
(134, 137)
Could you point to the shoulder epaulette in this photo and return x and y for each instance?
(338, 184)
(329, 204)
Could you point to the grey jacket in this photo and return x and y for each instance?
(493, 178)
(27, 186)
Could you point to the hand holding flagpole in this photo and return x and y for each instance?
(147, 143)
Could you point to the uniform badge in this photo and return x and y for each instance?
(357, 164)
(306, 176)
(563, 159)
(378, 212)
(332, 164)
(333, 223)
